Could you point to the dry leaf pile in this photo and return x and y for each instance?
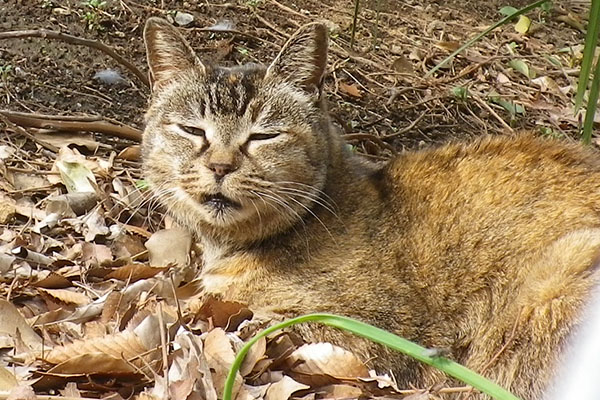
(103, 299)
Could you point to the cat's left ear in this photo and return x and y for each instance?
(303, 59)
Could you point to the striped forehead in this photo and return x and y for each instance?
(228, 91)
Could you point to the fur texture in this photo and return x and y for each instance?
(487, 249)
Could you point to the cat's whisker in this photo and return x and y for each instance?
(315, 216)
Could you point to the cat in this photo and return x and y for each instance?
(487, 249)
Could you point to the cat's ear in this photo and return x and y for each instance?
(167, 51)
(303, 59)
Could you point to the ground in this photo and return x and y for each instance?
(379, 97)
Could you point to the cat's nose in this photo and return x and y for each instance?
(221, 170)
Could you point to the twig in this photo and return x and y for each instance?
(406, 129)
(72, 124)
(494, 113)
(24, 132)
(372, 138)
(270, 25)
(163, 346)
(95, 44)
(286, 8)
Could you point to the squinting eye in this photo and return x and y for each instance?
(263, 136)
(192, 130)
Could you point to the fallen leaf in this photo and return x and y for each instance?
(169, 246)
(449, 46)
(224, 314)
(134, 272)
(8, 209)
(403, 65)
(255, 354)
(340, 391)
(7, 380)
(326, 359)
(522, 67)
(219, 356)
(60, 139)
(66, 296)
(350, 90)
(283, 389)
(522, 26)
(12, 321)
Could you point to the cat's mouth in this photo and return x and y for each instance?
(220, 202)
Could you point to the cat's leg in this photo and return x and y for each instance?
(522, 349)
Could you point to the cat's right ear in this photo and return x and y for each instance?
(167, 51)
(303, 59)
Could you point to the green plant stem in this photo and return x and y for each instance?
(590, 112)
(591, 39)
(378, 336)
(482, 34)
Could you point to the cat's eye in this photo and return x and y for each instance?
(193, 130)
(262, 136)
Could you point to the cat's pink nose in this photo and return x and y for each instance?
(221, 170)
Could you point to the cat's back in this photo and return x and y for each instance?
(499, 170)
(491, 200)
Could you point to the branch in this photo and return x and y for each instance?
(95, 44)
(72, 124)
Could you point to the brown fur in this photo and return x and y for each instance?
(471, 247)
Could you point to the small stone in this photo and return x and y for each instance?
(109, 77)
(183, 19)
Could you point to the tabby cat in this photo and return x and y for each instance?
(487, 249)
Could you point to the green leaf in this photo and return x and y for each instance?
(510, 106)
(522, 67)
(508, 11)
(461, 93)
(378, 336)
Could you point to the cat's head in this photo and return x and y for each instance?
(236, 152)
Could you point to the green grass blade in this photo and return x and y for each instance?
(591, 39)
(382, 337)
(588, 123)
(488, 30)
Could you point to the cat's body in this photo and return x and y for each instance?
(487, 250)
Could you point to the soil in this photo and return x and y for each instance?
(389, 98)
(378, 93)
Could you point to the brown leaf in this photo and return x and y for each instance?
(403, 65)
(340, 392)
(224, 314)
(7, 380)
(134, 272)
(138, 346)
(350, 90)
(66, 296)
(255, 354)
(326, 359)
(449, 46)
(283, 389)
(219, 356)
(131, 153)
(169, 246)
(12, 321)
(53, 281)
